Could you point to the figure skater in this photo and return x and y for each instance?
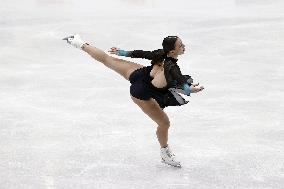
(152, 87)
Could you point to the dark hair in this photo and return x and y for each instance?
(168, 45)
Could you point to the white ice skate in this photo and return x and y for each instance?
(75, 40)
(168, 157)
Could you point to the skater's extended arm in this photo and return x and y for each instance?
(150, 55)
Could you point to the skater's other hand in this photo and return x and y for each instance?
(195, 88)
(114, 50)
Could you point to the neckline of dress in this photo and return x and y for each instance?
(172, 59)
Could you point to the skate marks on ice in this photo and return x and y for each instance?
(202, 166)
(92, 167)
(176, 166)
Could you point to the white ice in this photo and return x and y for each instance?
(67, 122)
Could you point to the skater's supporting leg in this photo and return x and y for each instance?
(123, 67)
(162, 135)
(153, 110)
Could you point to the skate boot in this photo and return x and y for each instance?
(168, 157)
(75, 40)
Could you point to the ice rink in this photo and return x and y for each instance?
(67, 122)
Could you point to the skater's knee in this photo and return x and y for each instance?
(164, 125)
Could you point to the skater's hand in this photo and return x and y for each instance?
(114, 50)
(194, 88)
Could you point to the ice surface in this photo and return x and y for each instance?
(67, 122)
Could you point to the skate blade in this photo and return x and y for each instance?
(66, 38)
(173, 165)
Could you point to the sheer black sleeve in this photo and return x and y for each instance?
(177, 75)
(142, 54)
(150, 55)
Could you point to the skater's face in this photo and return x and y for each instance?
(179, 48)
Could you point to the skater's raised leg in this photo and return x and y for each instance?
(122, 67)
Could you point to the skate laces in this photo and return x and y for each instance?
(169, 158)
(170, 154)
(70, 39)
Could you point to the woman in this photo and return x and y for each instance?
(153, 87)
